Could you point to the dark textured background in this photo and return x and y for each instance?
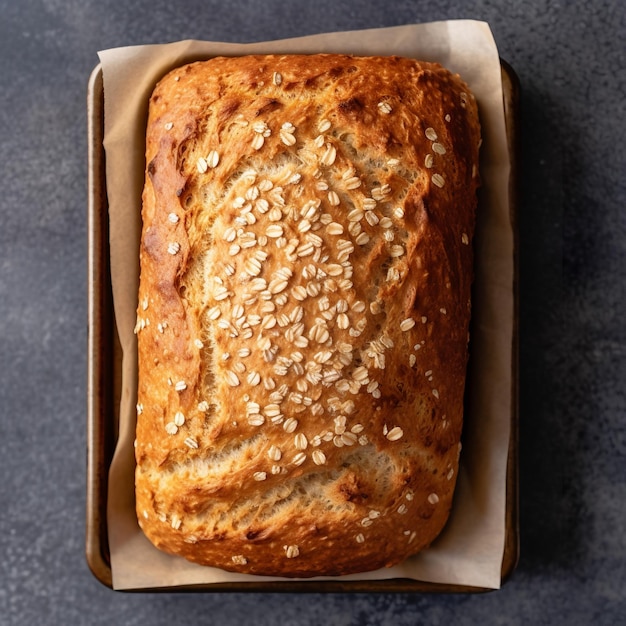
(571, 60)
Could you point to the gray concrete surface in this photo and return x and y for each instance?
(570, 58)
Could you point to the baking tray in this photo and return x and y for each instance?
(104, 381)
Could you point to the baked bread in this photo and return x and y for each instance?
(304, 303)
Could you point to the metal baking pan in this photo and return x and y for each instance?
(104, 382)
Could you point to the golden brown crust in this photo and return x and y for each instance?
(304, 302)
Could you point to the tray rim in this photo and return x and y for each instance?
(103, 382)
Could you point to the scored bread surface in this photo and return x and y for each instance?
(304, 304)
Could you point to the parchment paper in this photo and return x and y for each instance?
(470, 549)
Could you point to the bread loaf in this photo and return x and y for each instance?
(304, 304)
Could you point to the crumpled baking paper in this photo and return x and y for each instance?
(470, 549)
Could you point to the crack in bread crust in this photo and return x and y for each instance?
(304, 305)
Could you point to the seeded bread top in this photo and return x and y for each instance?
(306, 266)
